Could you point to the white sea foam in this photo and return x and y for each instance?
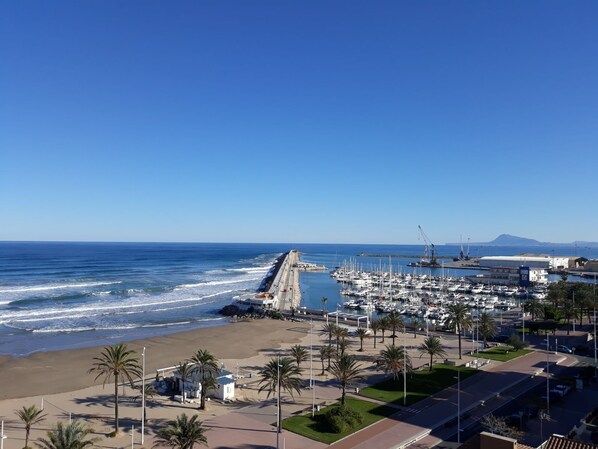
(120, 327)
(87, 311)
(40, 288)
(211, 283)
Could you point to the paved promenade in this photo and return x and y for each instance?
(286, 284)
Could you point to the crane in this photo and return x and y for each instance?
(429, 249)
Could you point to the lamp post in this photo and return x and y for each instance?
(595, 335)
(458, 405)
(2, 436)
(547, 374)
(404, 369)
(278, 405)
(312, 381)
(143, 395)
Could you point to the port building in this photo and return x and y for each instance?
(544, 262)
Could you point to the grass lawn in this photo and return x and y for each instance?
(316, 430)
(420, 384)
(502, 353)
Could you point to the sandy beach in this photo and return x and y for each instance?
(64, 371)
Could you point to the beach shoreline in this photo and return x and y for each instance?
(53, 372)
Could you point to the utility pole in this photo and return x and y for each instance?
(278, 405)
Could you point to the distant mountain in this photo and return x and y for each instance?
(512, 240)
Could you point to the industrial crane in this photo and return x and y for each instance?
(429, 249)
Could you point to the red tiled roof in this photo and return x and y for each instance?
(559, 442)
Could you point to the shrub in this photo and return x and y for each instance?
(342, 418)
(516, 342)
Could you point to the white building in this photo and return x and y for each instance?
(509, 276)
(543, 262)
(191, 388)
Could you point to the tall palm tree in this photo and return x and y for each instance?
(383, 327)
(299, 353)
(375, 326)
(394, 322)
(30, 417)
(206, 365)
(394, 360)
(345, 370)
(324, 301)
(343, 345)
(329, 328)
(459, 320)
(67, 436)
(535, 308)
(183, 433)
(118, 362)
(280, 375)
(361, 332)
(487, 327)
(569, 312)
(326, 352)
(340, 333)
(433, 348)
(185, 371)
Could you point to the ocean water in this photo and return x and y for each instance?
(68, 295)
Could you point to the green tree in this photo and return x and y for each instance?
(515, 342)
(280, 374)
(182, 433)
(394, 360)
(343, 345)
(185, 371)
(535, 308)
(326, 352)
(361, 332)
(120, 363)
(299, 353)
(394, 322)
(30, 416)
(340, 333)
(345, 370)
(329, 328)
(68, 436)
(376, 327)
(432, 347)
(459, 320)
(487, 327)
(205, 366)
(383, 327)
(324, 301)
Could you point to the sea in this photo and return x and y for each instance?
(64, 295)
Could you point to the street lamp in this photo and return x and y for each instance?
(547, 374)
(278, 404)
(2, 436)
(404, 369)
(143, 396)
(458, 405)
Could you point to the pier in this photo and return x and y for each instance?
(285, 286)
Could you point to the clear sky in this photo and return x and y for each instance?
(288, 121)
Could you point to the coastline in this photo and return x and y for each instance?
(44, 373)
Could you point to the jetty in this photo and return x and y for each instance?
(285, 285)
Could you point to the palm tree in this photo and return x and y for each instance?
(459, 320)
(67, 436)
(340, 333)
(383, 327)
(183, 433)
(417, 322)
(361, 332)
(326, 352)
(345, 370)
(569, 311)
(185, 371)
(118, 362)
(433, 348)
(30, 417)
(206, 365)
(375, 326)
(343, 344)
(324, 301)
(280, 374)
(329, 328)
(487, 327)
(535, 308)
(299, 353)
(394, 360)
(394, 322)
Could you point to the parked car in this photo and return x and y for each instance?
(562, 389)
(565, 349)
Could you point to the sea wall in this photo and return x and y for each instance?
(271, 275)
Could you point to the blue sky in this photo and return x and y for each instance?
(269, 121)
